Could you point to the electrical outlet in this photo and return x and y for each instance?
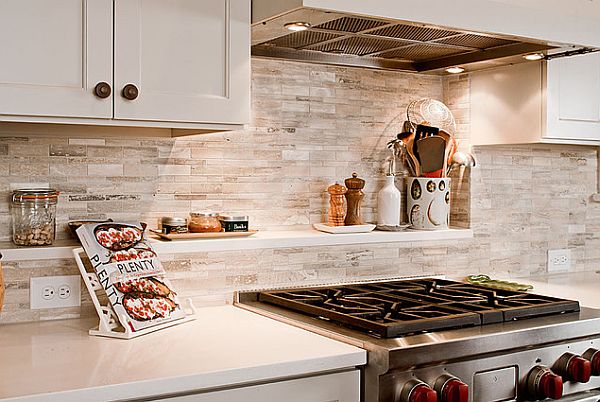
(64, 292)
(55, 292)
(48, 293)
(559, 260)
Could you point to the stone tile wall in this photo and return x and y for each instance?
(312, 125)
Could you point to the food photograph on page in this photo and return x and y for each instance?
(131, 274)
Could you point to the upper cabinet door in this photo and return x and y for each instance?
(53, 54)
(573, 101)
(182, 60)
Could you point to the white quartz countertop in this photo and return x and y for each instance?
(225, 346)
(581, 286)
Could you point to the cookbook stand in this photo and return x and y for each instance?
(109, 325)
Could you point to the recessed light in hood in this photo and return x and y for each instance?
(297, 26)
(455, 70)
(534, 56)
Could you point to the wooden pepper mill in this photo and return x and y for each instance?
(337, 210)
(354, 198)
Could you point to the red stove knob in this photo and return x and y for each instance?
(417, 391)
(551, 386)
(451, 389)
(422, 393)
(542, 383)
(593, 355)
(574, 368)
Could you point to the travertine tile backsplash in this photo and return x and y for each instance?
(312, 125)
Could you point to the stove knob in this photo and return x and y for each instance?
(451, 389)
(593, 355)
(422, 393)
(574, 368)
(542, 383)
(418, 391)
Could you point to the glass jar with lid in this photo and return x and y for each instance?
(204, 222)
(34, 216)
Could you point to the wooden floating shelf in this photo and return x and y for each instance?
(261, 240)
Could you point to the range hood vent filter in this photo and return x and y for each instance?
(379, 43)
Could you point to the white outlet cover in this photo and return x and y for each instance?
(38, 284)
(559, 260)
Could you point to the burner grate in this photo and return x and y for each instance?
(395, 308)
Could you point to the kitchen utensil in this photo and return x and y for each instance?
(462, 159)
(486, 281)
(422, 131)
(354, 197)
(432, 155)
(365, 228)
(401, 151)
(337, 212)
(411, 156)
(451, 146)
(432, 111)
(207, 235)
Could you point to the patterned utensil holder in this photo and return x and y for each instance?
(428, 203)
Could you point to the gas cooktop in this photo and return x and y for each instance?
(400, 307)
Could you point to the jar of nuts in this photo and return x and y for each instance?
(34, 216)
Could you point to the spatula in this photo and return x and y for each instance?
(432, 153)
(423, 131)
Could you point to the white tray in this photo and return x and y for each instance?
(323, 227)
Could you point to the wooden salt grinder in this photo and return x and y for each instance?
(354, 198)
(337, 212)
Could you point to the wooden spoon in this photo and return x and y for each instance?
(451, 146)
(409, 151)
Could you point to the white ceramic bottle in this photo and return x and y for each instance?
(389, 203)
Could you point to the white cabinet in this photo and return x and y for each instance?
(53, 54)
(573, 98)
(185, 63)
(188, 58)
(557, 101)
(339, 387)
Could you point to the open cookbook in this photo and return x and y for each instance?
(131, 274)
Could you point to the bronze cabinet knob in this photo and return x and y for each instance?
(102, 90)
(130, 92)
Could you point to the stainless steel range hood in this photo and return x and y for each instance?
(336, 36)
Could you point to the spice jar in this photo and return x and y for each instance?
(34, 216)
(204, 222)
(234, 223)
(173, 225)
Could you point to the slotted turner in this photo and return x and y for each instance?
(432, 154)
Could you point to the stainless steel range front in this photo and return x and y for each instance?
(432, 340)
